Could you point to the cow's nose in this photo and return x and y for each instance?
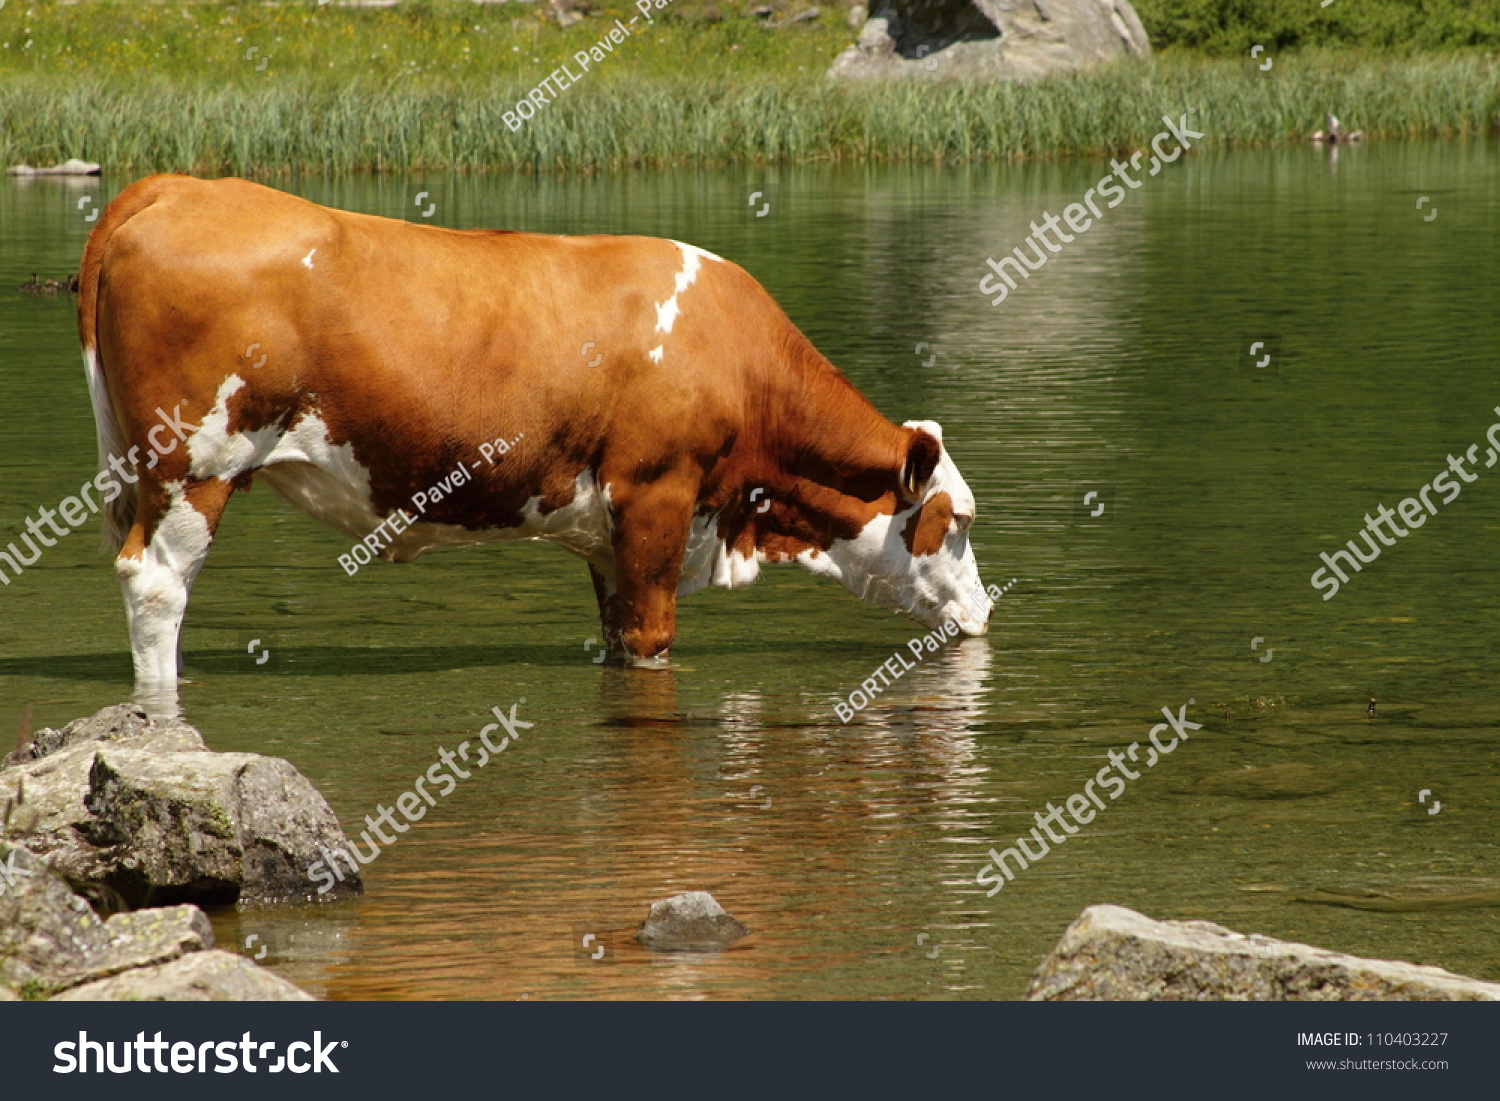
(973, 621)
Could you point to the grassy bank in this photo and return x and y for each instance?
(612, 123)
(151, 87)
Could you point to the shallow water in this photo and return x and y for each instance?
(1122, 367)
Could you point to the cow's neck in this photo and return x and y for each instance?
(840, 459)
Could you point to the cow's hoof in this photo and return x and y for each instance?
(655, 661)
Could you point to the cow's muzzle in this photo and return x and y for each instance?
(972, 620)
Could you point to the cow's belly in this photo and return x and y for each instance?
(338, 495)
(329, 484)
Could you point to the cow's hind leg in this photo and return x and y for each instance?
(167, 543)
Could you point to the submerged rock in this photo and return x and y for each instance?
(1113, 954)
(53, 945)
(1283, 781)
(690, 922)
(1417, 898)
(142, 808)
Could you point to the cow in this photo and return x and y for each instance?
(640, 402)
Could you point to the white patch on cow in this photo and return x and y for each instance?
(655, 354)
(692, 260)
(214, 451)
(931, 588)
(699, 254)
(307, 260)
(156, 589)
(668, 311)
(585, 525)
(322, 479)
(301, 463)
(706, 561)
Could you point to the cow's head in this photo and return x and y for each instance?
(916, 559)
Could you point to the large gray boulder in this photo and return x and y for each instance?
(1113, 954)
(141, 808)
(991, 39)
(53, 945)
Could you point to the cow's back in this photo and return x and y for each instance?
(413, 345)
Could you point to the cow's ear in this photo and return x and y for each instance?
(922, 455)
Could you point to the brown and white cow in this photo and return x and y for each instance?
(389, 353)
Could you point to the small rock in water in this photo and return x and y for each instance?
(73, 167)
(690, 922)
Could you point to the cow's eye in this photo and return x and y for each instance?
(963, 521)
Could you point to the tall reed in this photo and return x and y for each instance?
(301, 122)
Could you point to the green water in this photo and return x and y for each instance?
(1120, 367)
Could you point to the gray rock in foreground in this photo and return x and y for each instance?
(690, 922)
(48, 935)
(1113, 954)
(141, 807)
(990, 39)
(52, 945)
(114, 724)
(211, 976)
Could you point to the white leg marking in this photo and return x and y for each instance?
(156, 588)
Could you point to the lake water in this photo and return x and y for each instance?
(1122, 368)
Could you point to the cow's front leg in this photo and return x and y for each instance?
(607, 593)
(650, 538)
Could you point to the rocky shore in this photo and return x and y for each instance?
(134, 814)
(143, 811)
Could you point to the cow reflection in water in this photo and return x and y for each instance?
(792, 779)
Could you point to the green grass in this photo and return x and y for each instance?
(154, 87)
(1228, 28)
(416, 43)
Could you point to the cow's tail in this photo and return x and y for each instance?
(119, 512)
